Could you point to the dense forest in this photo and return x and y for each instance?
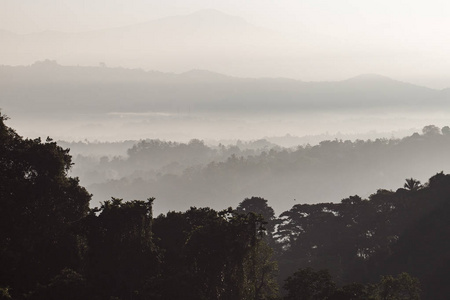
(180, 175)
(391, 245)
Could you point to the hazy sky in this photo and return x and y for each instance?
(383, 19)
(415, 31)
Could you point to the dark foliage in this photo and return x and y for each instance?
(52, 246)
(39, 206)
(359, 240)
(306, 284)
(208, 255)
(120, 254)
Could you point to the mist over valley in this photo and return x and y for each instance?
(224, 150)
(101, 103)
(203, 124)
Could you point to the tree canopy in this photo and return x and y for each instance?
(39, 204)
(53, 246)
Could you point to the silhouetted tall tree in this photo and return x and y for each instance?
(39, 204)
(412, 184)
(121, 255)
(213, 255)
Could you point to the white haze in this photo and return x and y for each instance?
(111, 104)
(306, 40)
(213, 129)
(290, 72)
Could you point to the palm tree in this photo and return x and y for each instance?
(412, 184)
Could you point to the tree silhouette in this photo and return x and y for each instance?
(412, 184)
(121, 254)
(307, 284)
(430, 130)
(402, 287)
(40, 204)
(213, 255)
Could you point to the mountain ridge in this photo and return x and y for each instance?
(205, 39)
(47, 86)
(202, 73)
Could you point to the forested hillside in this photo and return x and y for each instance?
(183, 174)
(361, 239)
(53, 246)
